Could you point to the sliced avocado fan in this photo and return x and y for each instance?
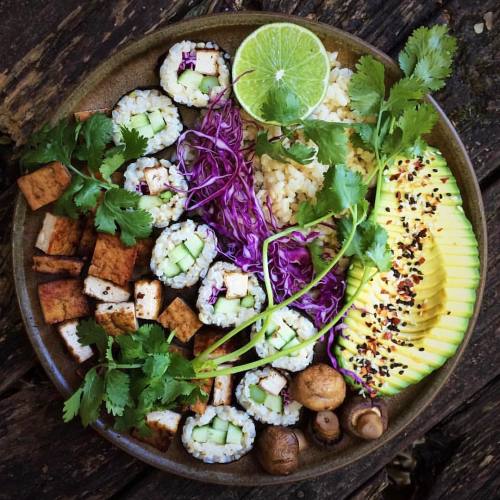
(408, 321)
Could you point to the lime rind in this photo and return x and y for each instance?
(296, 51)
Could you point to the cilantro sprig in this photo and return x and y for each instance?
(136, 374)
(88, 145)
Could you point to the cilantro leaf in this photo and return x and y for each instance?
(72, 405)
(91, 333)
(51, 144)
(97, 132)
(153, 338)
(404, 94)
(297, 151)
(156, 365)
(86, 198)
(316, 251)
(116, 396)
(416, 121)
(92, 396)
(331, 139)
(431, 50)
(180, 366)
(66, 205)
(130, 347)
(172, 389)
(282, 106)
(367, 88)
(118, 209)
(342, 189)
(113, 160)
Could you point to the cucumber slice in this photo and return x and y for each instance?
(186, 263)
(227, 306)
(195, 245)
(208, 83)
(156, 120)
(138, 121)
(286, 333)
(217, 437)
(200, 434)
(295, 341)
(146, 131)
(274, 403)
(271, 328)
(257, 394)
(190, 78)
(169, 269)
(276, 340)
(234, 435)
(219, 424)
(148, 202)
(248, 301)
(178, 253)
(166, 196)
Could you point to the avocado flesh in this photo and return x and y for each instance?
(392, 349)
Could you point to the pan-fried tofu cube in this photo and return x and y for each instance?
(163, 425)
(148, 295)
(117, 319)
(88, 238)
(180, 317)
(68, 333)
(54, 264)
(236, 285)
(112, 260)
(201, 403)
(207, 338)
(273, 383)
(59, 235)
(105, 290)
(144, 251)
(62, 300)
(223, 387)
(206, 62)
(45, 185)
(180, 350)
(156, 179)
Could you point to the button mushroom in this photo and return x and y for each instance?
(319, 388)
(278, 450)
(326, 427)
(365, 418)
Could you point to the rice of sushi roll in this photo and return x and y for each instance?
(263, 394)
(286, 329)
(222, 434)
(152, 178)
(183, 252)
(194, 73)
(228, 296)
(152, 114)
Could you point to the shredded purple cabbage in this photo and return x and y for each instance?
(188, 60)
(221, 189)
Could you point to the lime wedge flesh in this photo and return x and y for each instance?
(282, 55)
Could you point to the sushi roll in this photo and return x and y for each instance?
(263, 394)
(182, 253)
(286, 328)
(228, 296)
(152, 114)
(221, 435)
(152, 179)
(194, 74)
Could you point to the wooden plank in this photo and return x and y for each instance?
(43, 458)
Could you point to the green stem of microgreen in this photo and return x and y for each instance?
(103, 185)
(171, 337)
(201, 358)
(285, 352)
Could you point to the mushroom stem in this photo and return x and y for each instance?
(301, 438)
(326, 425)
(369, 425)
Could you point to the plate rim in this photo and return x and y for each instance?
(154, 457)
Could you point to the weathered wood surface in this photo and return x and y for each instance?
(42, 47)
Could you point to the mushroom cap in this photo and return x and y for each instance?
(278, 450)
(365, 418)
(319, 387)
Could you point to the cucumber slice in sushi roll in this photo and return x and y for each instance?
(263, 393)
(152, 114)
(194, 74)
(228, 296)
(287, 328)
(172, 260)
(222, 434)
(152, 179)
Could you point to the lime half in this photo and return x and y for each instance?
(284, 56)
